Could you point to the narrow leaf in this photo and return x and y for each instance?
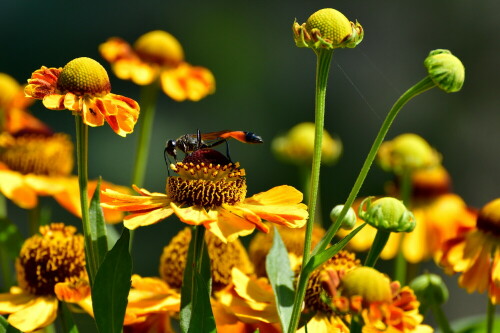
(187, 287)
(281, 278)
(112, 285)
(3, 324)
(98, 225)
(322, 257)
(66, 316)
(204, 320)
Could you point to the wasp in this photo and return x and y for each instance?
(190, 143)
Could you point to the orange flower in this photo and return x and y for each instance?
(439, 215)
(13, 104)
(50, 267)
(83, 87)
(475, 252)
(158, 55)
(211, 191)
(36, 164)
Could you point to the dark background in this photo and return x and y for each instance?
(266, 85)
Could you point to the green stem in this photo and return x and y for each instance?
(82, 132)
(356, 324)
(3, 207)
(400, 264)
(417, 89)
(490, 317)
(324, 58)
(378, 245)
(34, 220)
(6, 267)
(441, 319)
(149, 95)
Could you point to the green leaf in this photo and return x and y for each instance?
(281, 278)
(204, 320)
(473, 324)
(3, 324)
(320, 258)
(98, 225)
(112, 285)
(187, 287)
(10, 238)
(112, 235)
(67, 323)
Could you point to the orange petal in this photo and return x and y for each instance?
(54, 102)
(92, 112)
(292, 216)
(114, 49)
(13, 186)
(19, 119)
(43, 82)
(279, 195)
(187, 82)
(38, 314)
(72, 292)
(229, 226)
(194, 215)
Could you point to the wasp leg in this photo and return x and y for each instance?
(227, 152)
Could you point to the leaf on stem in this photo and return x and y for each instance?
(111, 286)
(281, 278)
(98, 225)
(204, 320)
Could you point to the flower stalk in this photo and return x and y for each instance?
(400, 264)
(490, 317)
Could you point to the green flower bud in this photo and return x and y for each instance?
(389, 214)
(368, 283)
(430, 290)
(349, 220)
(407, 152)
(297, 146)
(328, 29)
(445, 70)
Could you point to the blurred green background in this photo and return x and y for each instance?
(266, 85)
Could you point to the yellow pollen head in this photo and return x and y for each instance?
(368, 283)
(9, 89)
(223, 257)
(56, 255)
(40, 154)
(488, 219)
(84, 76)
(324, 282)
(159, 47)
(207, 185)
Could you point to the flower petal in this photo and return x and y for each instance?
(13, 302)
(13, 186)
(72, 292)
(92, 113)
(40, 313)
(54, 102)
(194, 215)
(279, 195)
(187, 82)
(146, 218)
(229, 226)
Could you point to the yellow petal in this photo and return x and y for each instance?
(54, 102)
(73, 102)
(47, 185)
(41, 313)
(229, 226)
(10, 303)
(134, 221)
(193, 215)
(91, 113)
(12, 185)
(187, 82)
(279, 195)
(416, 244)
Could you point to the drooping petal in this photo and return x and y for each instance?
(47, 185)
(91, 113)
(142, 219)
(38, 314)
(229, 226)
(13, 186)
(187, 82)
(194, 215)
(13, 302)
(54, 102)
(292, 216)
(73, 102)
(72, 292)
(43, 82)
(126, 202)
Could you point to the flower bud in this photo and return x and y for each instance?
(329, 29)
(389, 214)
(368, 283)
(297, 146)
(446, 70)
(430, 289)
(349, 220)
(407, 152)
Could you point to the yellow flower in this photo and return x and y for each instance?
(36, 164)
(210, 191)
(83, 87)
(13, 104)
(475, 252)
(158, 55)
(223, 257)
(245, 305)
(50, 267)
(297, 146)
(439, 216)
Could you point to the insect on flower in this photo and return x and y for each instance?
(190, 143)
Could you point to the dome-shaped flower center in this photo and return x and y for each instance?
(41, 154)
(57, 255)
(324, 282)
(488, 219)
(331, 23)
(84, 76)
(206, 184)
(223, 257)
(368, 283)
(159, 47)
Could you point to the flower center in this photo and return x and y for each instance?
(159, 47)
(223, 257)
(488, 219)
(57, 255)
(368, 283)
(40, 154)
(206, 184)
(84, 76)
